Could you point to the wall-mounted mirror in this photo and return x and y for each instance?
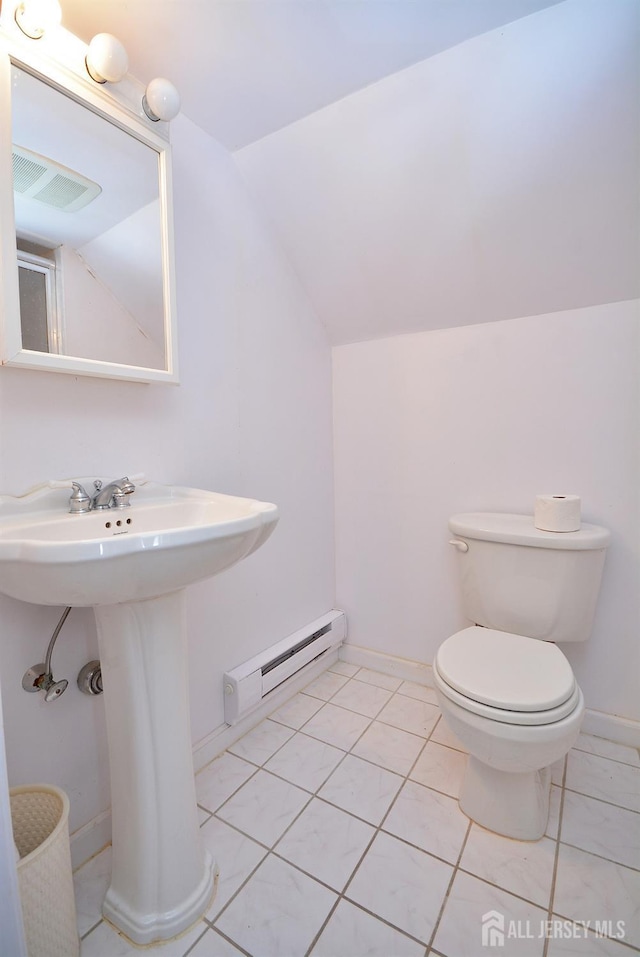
(87, 258)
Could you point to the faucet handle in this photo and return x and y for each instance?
(79, 501)
(124, 489)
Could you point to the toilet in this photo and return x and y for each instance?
(504, 687)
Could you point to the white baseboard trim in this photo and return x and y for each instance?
(403, 668)
(612, 727)
(602, 725)
(89, 839)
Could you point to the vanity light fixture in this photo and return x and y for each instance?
(35, 17)
(106, 59)
(161, 100)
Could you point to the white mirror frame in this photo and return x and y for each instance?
(68, 78)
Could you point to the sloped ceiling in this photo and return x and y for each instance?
(246, 68)
(496, 180)
(419, 171)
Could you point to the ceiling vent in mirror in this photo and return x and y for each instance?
(40, 178)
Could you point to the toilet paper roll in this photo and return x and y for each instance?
(557, 513)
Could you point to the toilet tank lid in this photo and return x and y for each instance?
(520, 530)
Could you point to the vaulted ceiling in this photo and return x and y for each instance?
(246, 68)
(423, 163)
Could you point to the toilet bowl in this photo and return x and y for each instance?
(514, 703)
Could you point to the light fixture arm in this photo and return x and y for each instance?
(35, 17)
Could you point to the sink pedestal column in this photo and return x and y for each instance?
(162, 878)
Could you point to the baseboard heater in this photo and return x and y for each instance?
(246, 686)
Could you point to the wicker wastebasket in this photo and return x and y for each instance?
(40, 818)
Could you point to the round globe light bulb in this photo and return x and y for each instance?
(106, 59)
(35, 17)
(161, 100)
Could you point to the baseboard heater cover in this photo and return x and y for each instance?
(246, 686)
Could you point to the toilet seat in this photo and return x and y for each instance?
(506, 677)
(522, 718)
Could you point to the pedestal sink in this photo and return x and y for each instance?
(131, 565)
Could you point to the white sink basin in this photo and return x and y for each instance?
(132, 565)
(168, 538)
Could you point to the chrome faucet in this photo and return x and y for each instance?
(114, 495)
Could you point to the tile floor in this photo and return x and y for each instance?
(337, 832)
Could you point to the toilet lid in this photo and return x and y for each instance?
(504, 716)
(504, 670)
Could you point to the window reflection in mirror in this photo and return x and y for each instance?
(39, 286)
(89, 231)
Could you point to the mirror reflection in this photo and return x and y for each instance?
(88, 231)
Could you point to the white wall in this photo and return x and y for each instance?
(97, 323)
(484, 418)
(128, 260)
(252, 416)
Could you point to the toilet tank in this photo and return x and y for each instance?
(517, 578)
